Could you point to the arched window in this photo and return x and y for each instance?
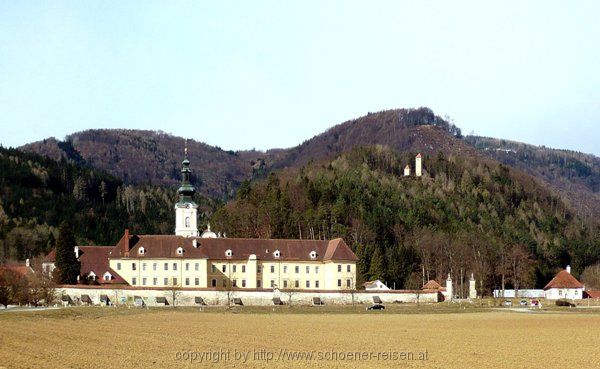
(180, 251)
(187, 222)
(228, 253)
(141, 251)
(276, 253)
(313, 254)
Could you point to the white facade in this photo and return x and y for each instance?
(376, 286)
(418, 166)
(564, 293)
(186, 220)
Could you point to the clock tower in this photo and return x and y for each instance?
(186, 210)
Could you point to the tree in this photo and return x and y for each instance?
(377, 268)
(13, 288)
(67, 266)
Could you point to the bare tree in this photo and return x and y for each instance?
(290, 289)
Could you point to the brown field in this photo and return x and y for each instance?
(474, 338)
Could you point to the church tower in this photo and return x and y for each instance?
(186, 210)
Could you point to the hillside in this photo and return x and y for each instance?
(38, 193)
(576, 176)
(147, 157)
(464, 215)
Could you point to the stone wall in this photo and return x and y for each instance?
(186, 297)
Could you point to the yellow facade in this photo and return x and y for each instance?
(227, 274)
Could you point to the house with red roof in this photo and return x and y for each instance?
(189, 259)
(564, 286)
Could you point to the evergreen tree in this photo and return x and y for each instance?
(67, 265)
(377, 269)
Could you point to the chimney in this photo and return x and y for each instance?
(568, 269)
(76, 252)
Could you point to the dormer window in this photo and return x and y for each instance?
(276, 253)
(195, 243)
(180, 251)
(228, 253)
(141, 251)
(107, 276)
(313, 254)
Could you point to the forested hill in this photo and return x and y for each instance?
(153, 158)
(147, 157)
(464, 215)
(38, 193)
(576, 176)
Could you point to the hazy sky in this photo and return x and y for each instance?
(269, 74)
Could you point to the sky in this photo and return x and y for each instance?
(265, 74)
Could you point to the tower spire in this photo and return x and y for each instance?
(185, 208)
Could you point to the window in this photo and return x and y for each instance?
(174, 266)
(277, 253)
(187, 222)
(174, 281)
(348, 283)
(243, 269)
(228, 253)
(179, 251)
(166, 281)
(258, 283)
(224, 268)
(187, 266)
(196, 266)
(317, 269)
(272, 283)
(154, 266)
(339, 283)
(348, 267)
(144, 267)
(273, 268)
(107, 276)
(307, 284)
(284, 284)
(187, 281)
(313, 254)
(285, 269)
(118, 266)
(297, 283)
(143, 281)
(243, 283)
(307, 269)
(258, 269)
(213, 268)
(234, 284)
(141, 251)
(297, 269)
(234, 268)
(166, 266)
(197, 281)
(213, 283)
(339, 268)
(154, 281)
(133, 266)
(316, 284)
(134, 281)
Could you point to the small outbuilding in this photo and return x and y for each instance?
(564, 286)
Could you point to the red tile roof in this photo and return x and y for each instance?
(432, 285)
(563, 279)
(165, 246)
(592, 294)
(93, 259)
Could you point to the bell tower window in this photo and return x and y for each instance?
(187, 222)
